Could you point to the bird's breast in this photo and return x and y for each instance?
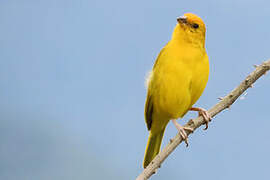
(171, 89)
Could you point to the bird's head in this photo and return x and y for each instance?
(190, 28)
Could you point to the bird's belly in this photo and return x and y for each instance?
(172, 95)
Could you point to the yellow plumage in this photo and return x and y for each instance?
(178, 79)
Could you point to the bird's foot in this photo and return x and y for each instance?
(182, 131)
(204, 113)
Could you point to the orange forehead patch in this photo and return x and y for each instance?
(192, 18)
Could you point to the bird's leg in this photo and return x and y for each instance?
(202, 112)
(181, 130)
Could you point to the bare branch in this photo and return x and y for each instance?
(224, 103)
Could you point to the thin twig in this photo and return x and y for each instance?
(224, 103)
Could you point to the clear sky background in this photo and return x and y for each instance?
(72, 89)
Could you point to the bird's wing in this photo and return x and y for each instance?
(148, 111)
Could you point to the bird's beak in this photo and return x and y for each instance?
(182, 20)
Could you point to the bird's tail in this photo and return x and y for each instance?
(153, 147)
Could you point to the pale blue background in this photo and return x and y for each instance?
(72, 89)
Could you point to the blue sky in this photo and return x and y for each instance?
(72, 89)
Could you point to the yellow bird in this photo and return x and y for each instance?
(176, 82)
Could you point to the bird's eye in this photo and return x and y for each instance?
(195, 26)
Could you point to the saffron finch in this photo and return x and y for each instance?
(176, 82)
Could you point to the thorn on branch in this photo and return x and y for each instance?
(243, 97)
(220, 98)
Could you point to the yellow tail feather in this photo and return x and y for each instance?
(153, 147)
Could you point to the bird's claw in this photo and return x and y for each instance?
(206, 116)
(204, 113)
(182, 131)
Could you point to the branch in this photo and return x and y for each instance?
(225, 102)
